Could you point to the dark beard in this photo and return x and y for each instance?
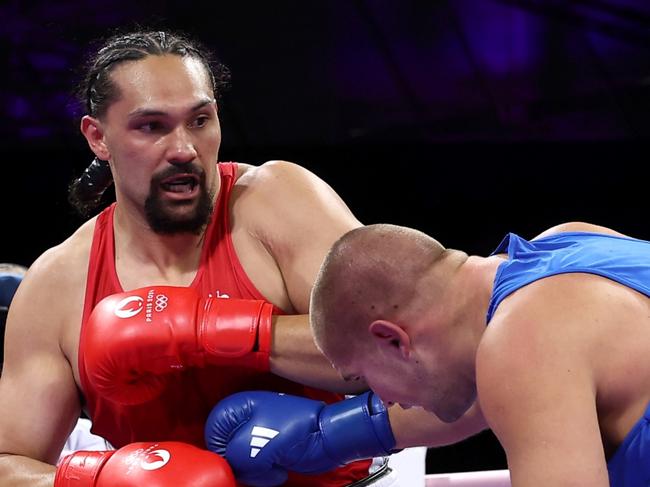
(163, 221)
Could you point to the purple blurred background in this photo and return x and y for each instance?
(463, 118)
(335, 71)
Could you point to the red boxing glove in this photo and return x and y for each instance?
(133, 339)
(164, 464)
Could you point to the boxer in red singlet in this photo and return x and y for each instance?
(235, 235)
(180, 219)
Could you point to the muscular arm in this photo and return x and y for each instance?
(538, 394)
(297, 218)
(38, 397)
(294, 356)
(417, 427)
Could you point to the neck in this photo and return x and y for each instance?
(478, 275)
(470, 292)
(170, 254)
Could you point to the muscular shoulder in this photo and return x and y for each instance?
(578, 227)
(288, 215)
(66, 262)
(536, 378)
(286, 196)
(49, 298)
(547, 312)
(57, 278)
(277, 176)
(544, 331)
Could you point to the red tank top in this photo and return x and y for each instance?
(180, 412)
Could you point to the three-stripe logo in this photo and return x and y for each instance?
(260, 436)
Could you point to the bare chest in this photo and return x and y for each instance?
(238, 250)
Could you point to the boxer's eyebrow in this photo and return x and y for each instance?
(147, 112)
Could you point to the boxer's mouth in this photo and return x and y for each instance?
(182, 183)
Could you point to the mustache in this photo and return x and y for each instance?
(175, 170)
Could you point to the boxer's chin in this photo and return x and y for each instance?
(168, 217)
(447, 415)
(452, 408)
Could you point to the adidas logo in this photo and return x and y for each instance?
(260, 436)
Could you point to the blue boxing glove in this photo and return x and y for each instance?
(263, 435)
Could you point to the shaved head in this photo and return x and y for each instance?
(370, 273)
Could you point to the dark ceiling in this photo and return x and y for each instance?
(333, 71)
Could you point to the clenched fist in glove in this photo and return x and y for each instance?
(133, 339)
(263, 435)
(163, 464)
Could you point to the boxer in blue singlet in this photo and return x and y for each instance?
(562, 371)
(624, 260)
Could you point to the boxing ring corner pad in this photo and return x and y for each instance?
(489, 478)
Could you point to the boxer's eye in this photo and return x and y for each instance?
(351, 378)
(201, 121)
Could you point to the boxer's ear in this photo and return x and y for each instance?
(92, 129)
(391, 337)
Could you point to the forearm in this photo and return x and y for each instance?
(294, 356)
(18, 471)
(417, 427)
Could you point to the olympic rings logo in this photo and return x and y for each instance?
(161, 302)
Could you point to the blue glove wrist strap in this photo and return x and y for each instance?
(357, 428)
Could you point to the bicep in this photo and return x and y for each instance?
(311, 217)
(39, 402)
